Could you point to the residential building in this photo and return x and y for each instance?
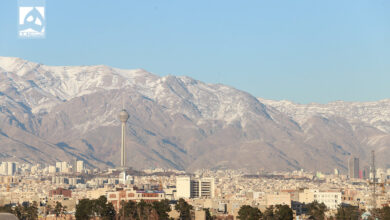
(134, 195)
(79, 166)
(187, 187)
(332, 199)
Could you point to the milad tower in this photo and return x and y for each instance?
(123, 117)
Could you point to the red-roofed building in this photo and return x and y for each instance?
(61, 192)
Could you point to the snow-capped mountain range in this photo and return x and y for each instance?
(376, 114)
(50, 113)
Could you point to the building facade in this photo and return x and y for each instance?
(187, 187)
(133, 195)
(353, 167)
(79, 166)
(61, 192)
(332, 199)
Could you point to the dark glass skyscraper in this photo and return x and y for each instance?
(353, 167)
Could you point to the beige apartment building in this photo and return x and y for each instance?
(281, 198)
(331, 198)
(133, 195)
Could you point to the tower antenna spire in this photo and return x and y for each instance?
(123, 102)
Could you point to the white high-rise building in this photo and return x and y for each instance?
(11, 168)
(122, 177)
(8, 168)
(64, 167)
(52, 169)
(187, 187)
(183, 187)
(4, 168)
(79, 166)
(58, 166)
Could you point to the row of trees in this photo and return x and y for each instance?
(101, 209)
(315, 211)
(87, 209)
(353, 212)
(383, 213)
(157, 210)
(278, 212)
(30, 211)
(24, 211)
(281, 212)
(143, 210)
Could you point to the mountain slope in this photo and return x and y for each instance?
(176, 122)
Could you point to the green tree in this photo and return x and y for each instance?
(49, 209)
(162, 208)
(184, 209)
(58, 209)
(381, 213)
(348, 213)
(385, 213)
(269, 213)
(283, 212)
(208, 214)
(87, 209)
(6, 208)
(99, 206)
(84, 210)
(316, 210)
(247, 212)
(145, 210)
(64, 209)
(128, 209)
(109, 212)
(19, 211)
(31, 211)
(25, 211)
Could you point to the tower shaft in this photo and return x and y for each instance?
(123, 151)
(123, 117)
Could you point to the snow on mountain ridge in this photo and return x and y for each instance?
(60, 83)
(375, 113)
(175, 121)
(43, 87)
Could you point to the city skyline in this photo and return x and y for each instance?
(194, 110)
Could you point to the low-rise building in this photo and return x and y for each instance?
(331, 198)
(61, 192)
(134, 195)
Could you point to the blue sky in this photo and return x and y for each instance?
(302, 50)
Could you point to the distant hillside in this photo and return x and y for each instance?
(52, 113)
